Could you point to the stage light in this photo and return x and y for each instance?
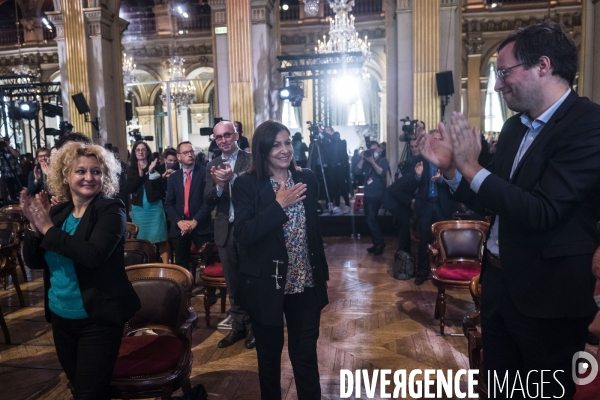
(494, 5)
(346, 88)
(285, 7)
(185, 15)
(284, 93)
(180, 9)
(25, 107)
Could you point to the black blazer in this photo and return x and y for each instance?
(222, 203)
(547, 210)
(155, 189)
(97, 252)
(421, 197)
(199, 210)
(258, 228)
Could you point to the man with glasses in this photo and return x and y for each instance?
(542, 192)
(223, 171)
(37, 177)
(191, 219)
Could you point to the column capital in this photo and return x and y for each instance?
(219, 14)
(404, 6)
(474, 44)
(56, 18)
(449, 3)
(260, 11)
(98, 22)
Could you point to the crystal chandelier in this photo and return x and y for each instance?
(343, 37)
(311, 7)
(128, 76)
(181, 93)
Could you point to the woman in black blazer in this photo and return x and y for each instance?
(282, 261)
(79, 244)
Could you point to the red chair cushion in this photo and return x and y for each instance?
(215, 269)
(458, 272)
(147, 355)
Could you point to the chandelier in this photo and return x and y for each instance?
(181, 93)
(128, 76)
(311, 7)
(343, 37)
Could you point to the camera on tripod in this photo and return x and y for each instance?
(64, 128)
(135, 133)
(409, 127)
(315, 130)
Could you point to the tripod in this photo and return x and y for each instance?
(310, 154)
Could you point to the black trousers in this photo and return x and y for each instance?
(333, 185)
(183, 243)
(515, 343)
(403, 213)
(341, 177)
(430, 212)
(302, 315)
(88, 353)
(230, 259)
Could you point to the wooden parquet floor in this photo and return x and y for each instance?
(373, 321)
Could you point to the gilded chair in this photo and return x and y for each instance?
(455, 258)
(151, 366)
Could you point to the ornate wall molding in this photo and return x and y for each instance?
(220, 18)
(474, 44)
(568, 19)
(165, 51)
(30, 59)
(98, 23)
(449, 3)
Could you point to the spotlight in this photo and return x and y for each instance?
(26, 110)
(285, 7)
(185, 15)
(52, 110)
(294, 94)
(284, 93)
(25, 107)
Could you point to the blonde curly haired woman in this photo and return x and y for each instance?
(79, 245)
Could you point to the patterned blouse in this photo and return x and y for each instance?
(299, 274)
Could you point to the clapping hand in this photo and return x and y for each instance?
(153, 164)
(466, 145)
(419, 169)
(288, 197)
(437, 176)
(437, 152)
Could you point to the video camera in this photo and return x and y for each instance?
(315, 130)
(409, 127)
(135, 133)
(209, 131)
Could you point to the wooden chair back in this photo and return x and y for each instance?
(164, 291)
(132, 230)
(139, 251)
(459, 241)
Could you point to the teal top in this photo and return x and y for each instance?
(64, 296)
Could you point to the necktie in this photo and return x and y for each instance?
(186, 192)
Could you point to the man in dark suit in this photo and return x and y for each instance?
(431, 205)
(542, 190)
(190, 216)
(223, 171)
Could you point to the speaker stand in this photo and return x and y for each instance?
(445, 100)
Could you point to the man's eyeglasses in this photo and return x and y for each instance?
(188, 153)
(224, 136)
(501, 73)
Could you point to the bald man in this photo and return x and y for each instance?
(221, 177)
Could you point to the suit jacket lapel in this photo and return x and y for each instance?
(196, 178)
(514, 142)
(548, 127)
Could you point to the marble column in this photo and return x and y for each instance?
(221, 59)
(426, 60)
(239, 46)
(56, 18)
(145, 116)
(474, 109)
(106, 99)
(591, 50)
(265, 78)
(450, 48)
(399, 59)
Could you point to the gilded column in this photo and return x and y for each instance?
(239, 49)
(426, 54)
(474, 45)
(76, 60)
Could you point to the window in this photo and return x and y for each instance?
(493, 107)
(288, 115)
(356, 116)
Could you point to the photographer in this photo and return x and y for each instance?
(11, 172)
(37, 178)
(300, 149)
(374, 167)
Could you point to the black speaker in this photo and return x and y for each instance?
(80, 103)
(128, 111)
(445, 84)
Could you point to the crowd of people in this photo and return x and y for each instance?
(539, 186)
